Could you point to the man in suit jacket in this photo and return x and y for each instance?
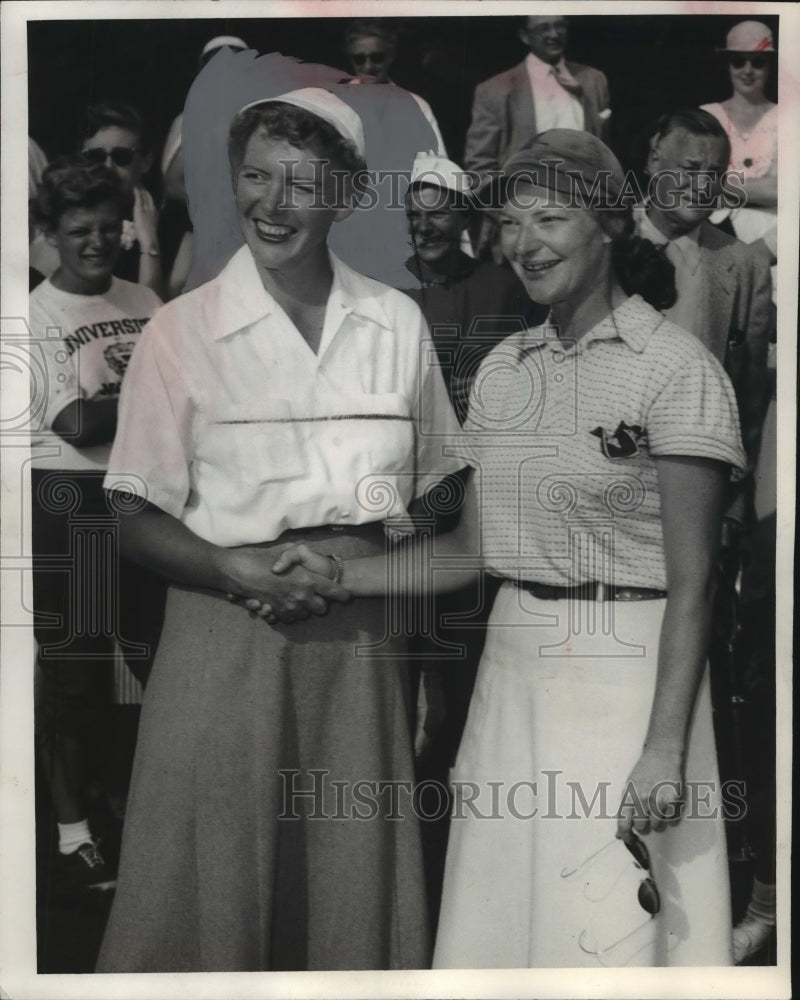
(724, 285)
(544, 91)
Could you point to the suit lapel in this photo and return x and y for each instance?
(522, 113)
(720, 291)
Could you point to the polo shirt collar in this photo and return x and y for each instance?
(243, 300)
(633, 323)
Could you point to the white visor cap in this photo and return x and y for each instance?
(327, 106)
(430, 168)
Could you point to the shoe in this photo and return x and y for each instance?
(85, 868)
(749, 936)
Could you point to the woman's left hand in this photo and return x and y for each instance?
(653, 795)
(145, 219)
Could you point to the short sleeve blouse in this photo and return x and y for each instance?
(229, 422)
(563, 438)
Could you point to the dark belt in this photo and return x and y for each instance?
(590, 592)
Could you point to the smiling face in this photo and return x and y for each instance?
(686, 173)
(546, 37)
(749, 72)
(560, 254)
(286, 203)
(87, 240)
(370, 57)
(435, 224)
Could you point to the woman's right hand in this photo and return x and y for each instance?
(289, 596)
(302, 555)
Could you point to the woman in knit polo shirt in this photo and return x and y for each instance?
(587, 827)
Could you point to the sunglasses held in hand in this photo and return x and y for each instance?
(122, 156)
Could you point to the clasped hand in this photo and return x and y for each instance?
(293, 587)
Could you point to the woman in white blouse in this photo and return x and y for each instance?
(751, 121)
(287, 398)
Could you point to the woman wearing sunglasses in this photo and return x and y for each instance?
(602, 445)
(751, 121)
(115, 134)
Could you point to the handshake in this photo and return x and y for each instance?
(289, 588)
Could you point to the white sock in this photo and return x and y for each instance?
(72, 835)
(762, 903)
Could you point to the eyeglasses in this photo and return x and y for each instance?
(121, 156)
(558, 28)
(648, 895)
(738, 62)
(359, 58)
(623, 950)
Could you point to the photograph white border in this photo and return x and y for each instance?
(18, 977)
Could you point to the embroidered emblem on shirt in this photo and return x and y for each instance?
(623, 443)
(118, 355)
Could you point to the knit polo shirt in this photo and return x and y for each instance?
(563, 437)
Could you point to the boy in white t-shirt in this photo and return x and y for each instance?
(86, 323)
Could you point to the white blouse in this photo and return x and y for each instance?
(231, 423)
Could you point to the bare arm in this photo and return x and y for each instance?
(761, 191)
(411, 568)
(86, 422)
(145, 221)
(180, 267)
(692, 497)
(159, 541)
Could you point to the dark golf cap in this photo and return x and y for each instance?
(566, 161)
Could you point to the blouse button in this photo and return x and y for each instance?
(747, 162)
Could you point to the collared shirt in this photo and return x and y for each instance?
(554, 106)
(563, 437)
(690, 275)
(231, 423)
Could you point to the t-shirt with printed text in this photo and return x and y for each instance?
(85, 343)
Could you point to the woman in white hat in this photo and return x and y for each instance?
(751, 121)
(602, 444)
(282, 400)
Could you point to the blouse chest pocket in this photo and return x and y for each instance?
(380, 429)
(256, 444)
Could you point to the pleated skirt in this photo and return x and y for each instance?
(269, 824)
(534, 875)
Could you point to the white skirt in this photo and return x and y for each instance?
(534, 875)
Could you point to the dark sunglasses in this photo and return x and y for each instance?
(757, 62)
(122, 156)
(376, 57)
(649, 899)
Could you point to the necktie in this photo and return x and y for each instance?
(567, 81)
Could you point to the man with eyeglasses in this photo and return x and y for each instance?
(724, 286)
(542, 92)
(115, 135)
(371, 46)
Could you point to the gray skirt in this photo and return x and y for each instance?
(270, 823)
